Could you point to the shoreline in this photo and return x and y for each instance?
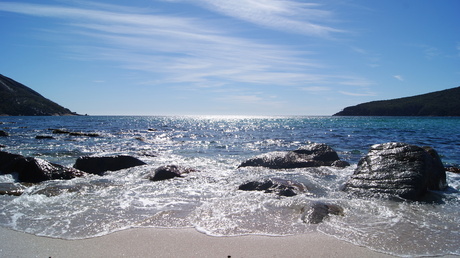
(159, 242)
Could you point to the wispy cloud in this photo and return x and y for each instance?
(190, 50)
(398, 77)
(358, 94)
(283, 15)
(316, 89)
(458, 48)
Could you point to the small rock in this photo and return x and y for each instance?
(3, 133)
(39, 137)
(318, 211)
(453, 170)
(274, 185)
(168, 172)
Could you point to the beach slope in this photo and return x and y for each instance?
(153, 242)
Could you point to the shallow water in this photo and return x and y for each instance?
(208, 200)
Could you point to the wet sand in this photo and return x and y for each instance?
(153, 242)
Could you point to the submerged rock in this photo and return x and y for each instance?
(398, 170)
(275, 185)
(99, 165)
(168, 172)
(312, 155)
(318, 211)
(11, 189)
(59, 131)
(34, 170)
(62, 131)
(40, 137)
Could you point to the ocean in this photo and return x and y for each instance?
(208, 199)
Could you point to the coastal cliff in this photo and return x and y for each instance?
(17, 99)
(439, 103)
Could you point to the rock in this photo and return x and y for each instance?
(39, 137)
(168, 172)
(84, 134)
(397, 170)
(60, 131)
(274, 185)
(34, 170)
(318, 211)
(56, 190)
(99, 165)
(2, 146)
(453, 170)
(11, 189)
(3, 133)
(312, 155)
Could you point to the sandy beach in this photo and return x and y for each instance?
(150, 242)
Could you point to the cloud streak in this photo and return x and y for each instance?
(282, 15)
(190, 50)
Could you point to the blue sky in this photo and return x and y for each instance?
(220, 57)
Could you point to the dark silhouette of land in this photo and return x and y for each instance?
(16, 99)
(439, 103)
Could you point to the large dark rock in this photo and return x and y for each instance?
(3, 133)
(99, 165)
(395, 170)
(318, 211)
(312, 155)
(34, 170)
(168, 172)
(274, 185)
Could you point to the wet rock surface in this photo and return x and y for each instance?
(278, 186)
(397, 170)
(34, 170)
(312, 155)
(317, 212)
(11, 189)
(168, 172)
(99, 165)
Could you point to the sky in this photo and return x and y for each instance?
(222, 57)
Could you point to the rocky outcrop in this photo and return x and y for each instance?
(317, 212)
(17, 99)
(34, 170)
(439, 103)
(312, 155)
(278, 186)
(398, 170)
(99, 165)
(168, 172)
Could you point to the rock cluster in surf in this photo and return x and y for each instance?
(389, 170)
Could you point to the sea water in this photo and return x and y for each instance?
(209, 199)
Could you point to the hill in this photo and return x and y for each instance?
(17, 99)
(439, 103)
